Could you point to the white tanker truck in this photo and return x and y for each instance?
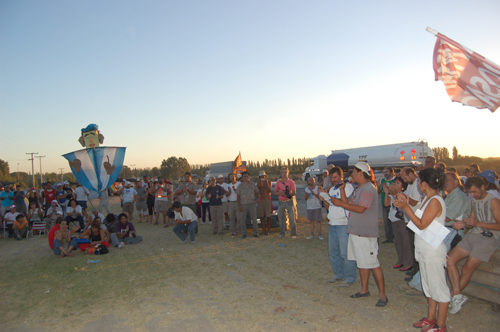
(380, 156)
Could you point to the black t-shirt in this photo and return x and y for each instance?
(217, 190)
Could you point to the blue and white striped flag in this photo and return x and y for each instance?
(98, 168)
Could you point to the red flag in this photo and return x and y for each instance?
(468, 77)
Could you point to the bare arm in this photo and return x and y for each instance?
(495, 209)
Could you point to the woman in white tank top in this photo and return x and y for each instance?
(432, 261)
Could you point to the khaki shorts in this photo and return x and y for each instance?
(141, 207)
(128, 207)
(363, 250)
(479, 246)
(162, 206)
(224, 207)
(264, 208)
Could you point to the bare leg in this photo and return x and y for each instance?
(311, 227)
(319, 227)
(364, 274)
(431, 310)
(268, 225)
(166, 219)
(157, 217)
(467, 270)
(442, 312)
(378, 274)
(455, 256)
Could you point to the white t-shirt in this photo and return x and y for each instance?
(224, 186)
(81, 193)
(128, 194)
(337, 215)
(412, 192)
(494, 193)
(187, 214)
(232, 196)
(72, 212)
(100, 215)
(10, 217)
(51, 209)
(313, 202)
(392, 211)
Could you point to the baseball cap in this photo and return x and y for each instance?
(220, 176)
(59, 213)
(12, 206)
(32, 188)
(325, 171)
(212, 178)
(364, 167)
(262, 173)
(490, 176)
(66, 182)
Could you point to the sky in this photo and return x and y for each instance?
(205, 80)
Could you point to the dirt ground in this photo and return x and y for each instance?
(221, 283)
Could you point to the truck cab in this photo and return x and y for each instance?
(316, 167)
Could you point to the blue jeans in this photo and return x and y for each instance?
(58, 244)
(288, 206)
(416, 282)
(389, 234)
(180, 228)
(337, 250)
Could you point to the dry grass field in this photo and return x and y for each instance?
(221, 283)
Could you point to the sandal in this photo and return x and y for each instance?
(358, 295)
(397, 266)
(404, 269)
(381, 303)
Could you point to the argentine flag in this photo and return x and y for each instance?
(97, 168)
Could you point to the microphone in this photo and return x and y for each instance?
(349, 179)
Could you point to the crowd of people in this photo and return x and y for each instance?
(462, 212)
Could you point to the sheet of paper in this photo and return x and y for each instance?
(434, 234)
(326, 197)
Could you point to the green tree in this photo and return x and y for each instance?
(4, 171)
(174, 167)
(455, 153)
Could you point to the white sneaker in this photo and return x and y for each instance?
(184, 241)
(193, 242)
(210, 222)
(321, 238)
(121, 245)
(457, 301)
(203, 223)
(294, 236)
(346, 284)
(309, 237)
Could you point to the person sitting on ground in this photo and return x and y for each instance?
(20, 227)
(124, 232)
(51, 216)
(185, 220)
(96, 214)
(110, 222)
(86, 233)
(34, 213)
(63, 242)
(96, 234)
(9, 218)
(74, 213)
(54, 229)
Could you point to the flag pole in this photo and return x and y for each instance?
(436, 33)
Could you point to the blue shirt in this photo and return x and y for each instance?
(8, 198)
(19, 199)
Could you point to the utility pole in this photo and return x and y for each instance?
(32, 165)
(41, 178)
(61, 169)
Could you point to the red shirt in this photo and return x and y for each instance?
(52, 234)
(49, 195)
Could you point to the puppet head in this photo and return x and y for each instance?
(91, 138)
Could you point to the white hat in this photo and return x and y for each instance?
(59, 184)
(364, 167)
(325, 171)
(58, 213)
(262, 173)
(220, 176)
(66, 182)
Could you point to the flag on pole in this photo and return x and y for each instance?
(469, 78)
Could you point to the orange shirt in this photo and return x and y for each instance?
(20, 224)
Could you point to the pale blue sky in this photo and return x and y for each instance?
(206, 79)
